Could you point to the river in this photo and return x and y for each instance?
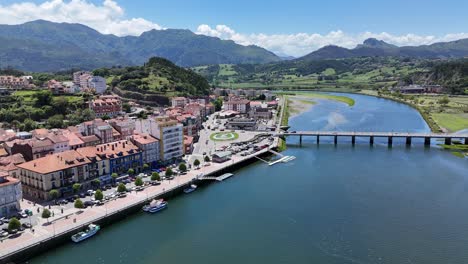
(333, 204)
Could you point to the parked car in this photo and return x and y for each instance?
(71, 199)
(139, 188)
(22, 214)
(90, 192)
(121, 195)
(26, 225)
(108, 187)
(82, 195)
(4, 233)
(88, 203)
(13, 231)
(154, 183)
(61, 202)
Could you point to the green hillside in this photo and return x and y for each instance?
(158, 78)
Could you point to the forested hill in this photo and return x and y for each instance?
(157, 77)
(451, 74)
(44, 46)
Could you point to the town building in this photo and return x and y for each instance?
(10, 195)
(241, 124)
(260, 113)
(237, 104)
(9, 164)
(15, 82)
(106, 105)
(124, 126)
(122, 156)
(149, 147)
(78, 76)
(98, 169)
(168, 131)
(59, 171)
(5, 92)
(55, 87)
(188, 145)
(221, 157)
(98, 128)
(97, 84)
(31, 149)
(178, 102)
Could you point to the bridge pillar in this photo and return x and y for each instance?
(353, 140)
(427, 141)
(408, 141)
(300, 140)
(336, 139)
(448, 141)
(318, 139)
(466, 141)
(371, 140)
(390, 141)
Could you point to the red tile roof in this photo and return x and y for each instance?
(56, 162)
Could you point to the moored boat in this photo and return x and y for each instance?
(155, 206)
(190, 189)
(89, 232)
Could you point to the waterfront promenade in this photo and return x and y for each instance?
(79, 218)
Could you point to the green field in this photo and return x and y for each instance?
(452, 122)
(28, 97)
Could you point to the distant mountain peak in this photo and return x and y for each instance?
(375, 43)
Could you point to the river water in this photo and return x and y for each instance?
(333, 204)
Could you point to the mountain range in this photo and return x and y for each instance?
(46, 46)
(373, 47)
(43, 46)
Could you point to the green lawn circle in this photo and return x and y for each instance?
(224, 136)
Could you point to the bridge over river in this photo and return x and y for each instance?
(448, 138)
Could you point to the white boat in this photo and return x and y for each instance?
(192, 188)
(155, 206)
(89, 232)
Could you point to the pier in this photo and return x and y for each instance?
(448, 138)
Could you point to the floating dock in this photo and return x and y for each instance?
(219, 178)
(284, 159)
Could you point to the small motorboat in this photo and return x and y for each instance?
(190, 189)
(89, 232)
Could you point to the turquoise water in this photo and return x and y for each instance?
(333, 204)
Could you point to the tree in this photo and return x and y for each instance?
(196, 163)
(155, 176)
(79, 204)
(46, 214)
(53, 194)
(131, 171)
(444, 100)
(76, 187)
(14, 224)
(138, 181)
(126, 107)
(96, 182)
(55, 121)
(43, 98)
(98, 195)
(207, 159)
(169, 172)
(114, 176)
(88, 115)
(182, 167)
(121, 188)
(28, 125)
(146, 166)
(105, 117)
(218, 103)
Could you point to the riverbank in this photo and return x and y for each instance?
(298, 105)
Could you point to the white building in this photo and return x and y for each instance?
(148, 145)
(97, 83)
(10, 194)
(168, 131)
(178, 102)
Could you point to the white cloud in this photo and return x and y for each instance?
(303, 43)
(107, 17)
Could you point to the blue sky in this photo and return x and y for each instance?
(292, 27)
